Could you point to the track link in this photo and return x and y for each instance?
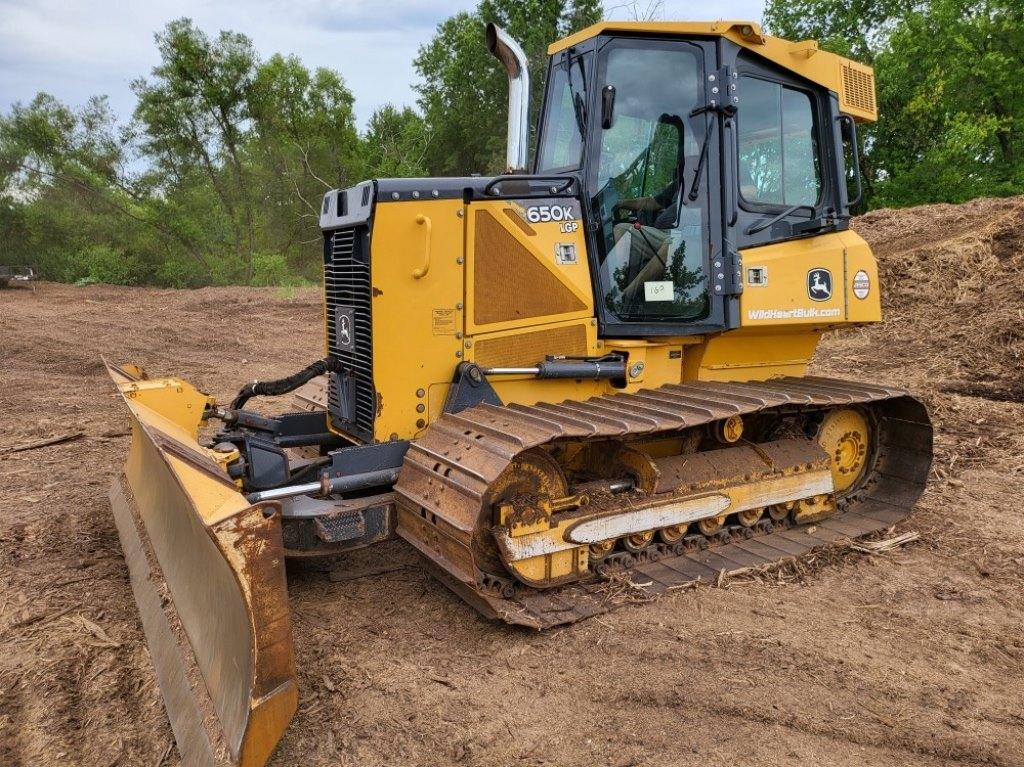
(444, 502)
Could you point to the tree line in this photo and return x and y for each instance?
(217, 176)
(950, 93)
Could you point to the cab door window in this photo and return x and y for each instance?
(653, 241)
(779, 161)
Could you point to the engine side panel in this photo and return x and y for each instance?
(418, 314)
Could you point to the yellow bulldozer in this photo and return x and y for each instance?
(592, 368)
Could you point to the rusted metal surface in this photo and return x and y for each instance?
(316, 528)
(221, 647)
(197, 460)
(207, 571)
(445, 490)
(311, 396)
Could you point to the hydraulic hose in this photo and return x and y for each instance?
(284, 385)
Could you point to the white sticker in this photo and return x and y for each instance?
(662, 290)
(861, 284)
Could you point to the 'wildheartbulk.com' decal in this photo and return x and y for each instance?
(819, 284)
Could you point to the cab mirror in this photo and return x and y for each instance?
(607, 106)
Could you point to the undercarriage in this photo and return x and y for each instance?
(664, 488)
(526, 510)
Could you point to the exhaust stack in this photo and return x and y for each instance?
(512, 57)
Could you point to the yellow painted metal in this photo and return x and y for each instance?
(750, 517)
(672, 534)
(540, 239)
(602, 549)
(535, 474)
(544, 544)
(207, 569)
(732, 429)
(423, 314)
(814, 509)
(711, 525)
(854, 82)
(780, 322)
(639, 541)
(751, 355)
(845, 436)
(526, 389)
(418, 322)
(784, 298)
(860, 281)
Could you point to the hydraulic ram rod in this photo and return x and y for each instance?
(329, 485)
(606, 368)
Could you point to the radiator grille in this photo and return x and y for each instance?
(858, 89)
(347, 291)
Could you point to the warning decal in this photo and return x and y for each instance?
(444, 321)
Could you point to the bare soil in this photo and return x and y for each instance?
(915, 657)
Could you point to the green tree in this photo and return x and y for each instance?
(63, 187)
(396, 144)
(303, 143)
(952, 104)
(464, 92)
(241, 151)
(950, 98)
(195, 114)
(854, 28)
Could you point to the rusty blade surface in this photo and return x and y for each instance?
(207, 572)
(443, 498)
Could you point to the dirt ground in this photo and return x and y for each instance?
(915, 657)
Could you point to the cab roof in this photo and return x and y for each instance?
(853, 82)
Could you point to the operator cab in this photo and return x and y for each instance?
(691, 147)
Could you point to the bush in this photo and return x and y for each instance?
(272, 270)
(100, 263)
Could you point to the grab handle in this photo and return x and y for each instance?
(421, 271)
(851, 125)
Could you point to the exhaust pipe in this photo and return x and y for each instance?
(511, 55)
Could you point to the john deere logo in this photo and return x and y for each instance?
(819, 284)
(344, 328)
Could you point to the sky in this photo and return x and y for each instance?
(75, 49)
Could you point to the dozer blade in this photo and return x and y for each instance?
(207, 571)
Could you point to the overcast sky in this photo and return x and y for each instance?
(78, 48)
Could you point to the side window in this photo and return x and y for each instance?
(564, 120)
(778, 147)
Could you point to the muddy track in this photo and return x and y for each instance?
(448, 476)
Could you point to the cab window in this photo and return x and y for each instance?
(564, 122)
(654, 244)
(778, 149)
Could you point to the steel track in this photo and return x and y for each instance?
(444, 505)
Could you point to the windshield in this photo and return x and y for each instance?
(653, 237)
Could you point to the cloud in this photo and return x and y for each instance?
(78, 48)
